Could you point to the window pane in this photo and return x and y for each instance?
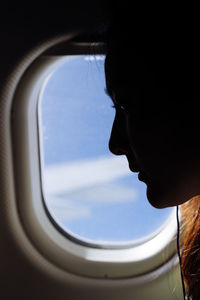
(90, 193)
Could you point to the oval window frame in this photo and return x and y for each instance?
(65, 253)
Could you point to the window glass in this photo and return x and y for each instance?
(88, 192)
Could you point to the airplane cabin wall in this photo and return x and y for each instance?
(25, 32)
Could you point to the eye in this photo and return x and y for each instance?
(116, 105)
(119, 107)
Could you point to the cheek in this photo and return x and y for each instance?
(172, 193)
(153, 146)
(169, 169)
(144, 143)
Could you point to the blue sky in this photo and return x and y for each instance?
(89, 191)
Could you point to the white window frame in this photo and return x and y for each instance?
(142, 262)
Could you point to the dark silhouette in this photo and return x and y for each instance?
(152, 72)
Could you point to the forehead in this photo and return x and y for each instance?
(157, 83)
(164, 88)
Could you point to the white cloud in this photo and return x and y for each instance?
(75, 205)
(63, 210)
(105, 193)
(70, 188)
(64, 178)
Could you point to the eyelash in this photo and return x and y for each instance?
(117, 106)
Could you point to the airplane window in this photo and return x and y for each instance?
(89, 194)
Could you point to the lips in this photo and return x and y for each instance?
(141, 175)
(135, 169)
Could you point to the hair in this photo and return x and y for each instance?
(168, 43)
(190, 231)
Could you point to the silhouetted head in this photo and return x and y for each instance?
(152, 72)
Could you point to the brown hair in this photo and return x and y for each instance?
(190, 230)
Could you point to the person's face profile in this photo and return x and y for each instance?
(144, 131)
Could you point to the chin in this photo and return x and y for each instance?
(163, 199)
(160, 199)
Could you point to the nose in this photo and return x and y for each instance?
(118, 143)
